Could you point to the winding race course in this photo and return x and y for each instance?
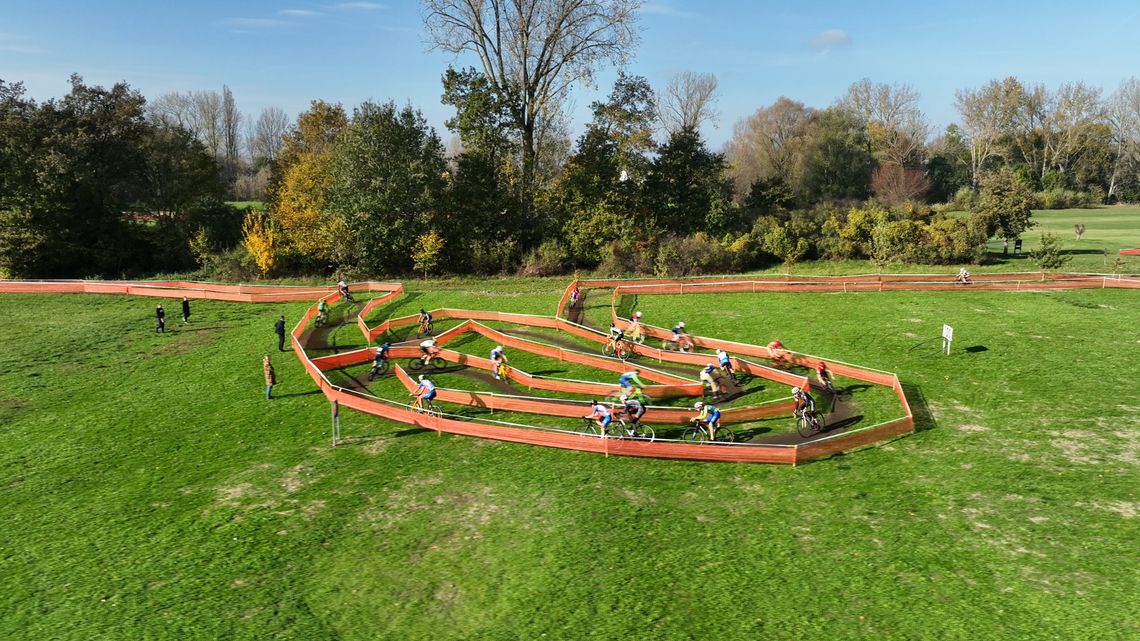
(531, 333)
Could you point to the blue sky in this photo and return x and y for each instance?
(288, 53)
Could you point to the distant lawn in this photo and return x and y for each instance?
(1107, 229)
(255, 205)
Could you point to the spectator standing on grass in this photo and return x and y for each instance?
(270, 377)
(160, 315)
(279, 327)
(185, 310)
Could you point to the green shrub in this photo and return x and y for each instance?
(965, 199)
(551, 258)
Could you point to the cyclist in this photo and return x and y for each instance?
(630, 383)
(706, 375)
(342, 287)
(635, 333)
(803, 401)
(776, 348)
(726, 363)
(616, 333)
(498, 360)
(633, 410)
(428, 349)
(425, 391)
(378, 360)
(963, 276)
(709, 415)
(322, 312)
(575, 296)
(824, 375)
(616, 336)
(425, 320)
(601, 414)
(680, 338)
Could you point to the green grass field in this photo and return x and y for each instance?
(150, 492)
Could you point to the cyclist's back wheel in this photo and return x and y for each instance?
(645, 433)
(615, 430)
(725, 435)
(432, 410)
(438, 363)
(416, 364)
(695, 435)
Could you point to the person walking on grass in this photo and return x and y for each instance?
(270, 377)
(185, 310)
(279, 327)
(160, 315)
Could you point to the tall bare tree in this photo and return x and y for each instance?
(987, 114)
(205, 120)
(268, 134)
(687, 101)
(896, 126)
(231, 124)
(1124, 118)
(534, 51)
(766, 144)
(1075, 108)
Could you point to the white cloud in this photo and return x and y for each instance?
(662, 9)
(831, 38)
(299, 13)
(360, 6)
(255, 23)
(15, 43)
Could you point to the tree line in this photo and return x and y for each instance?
(102, 183)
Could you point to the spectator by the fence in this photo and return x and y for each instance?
(160, 315)
(270, 377)
(185, 310)
(279, 327)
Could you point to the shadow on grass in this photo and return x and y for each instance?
(842, 424)
(309, 393)
(923, 418)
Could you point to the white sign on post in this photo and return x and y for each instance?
(947, 337)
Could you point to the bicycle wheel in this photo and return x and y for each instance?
(695, 435)
(669, 346)
(725, 435)
(804, 427)
(430, 328)
(416, 364)
(616, 429)
(432, 410)
(608, 349)
(590, 427)
(645, 432)
(438, 363)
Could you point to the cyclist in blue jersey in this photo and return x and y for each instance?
(601, 414)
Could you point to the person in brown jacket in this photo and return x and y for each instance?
(270, 377)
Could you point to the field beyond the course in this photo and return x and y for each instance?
(150, 491)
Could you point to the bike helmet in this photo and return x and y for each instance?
(699, 405)
(624, 397)
(422, 311)
(386, 345)
(637, 314)
(421, 378)
(498, 348)
(796, 391)
(681, 324)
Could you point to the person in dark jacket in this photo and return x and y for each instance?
(270, 377)
(160, 314)
(185, 310)
(279, 327)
